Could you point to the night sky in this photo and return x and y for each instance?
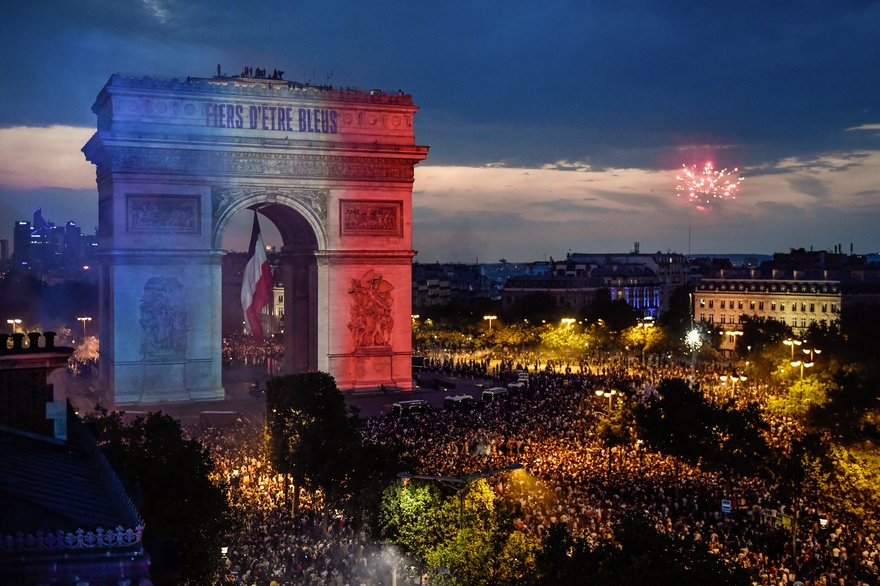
(553, 126)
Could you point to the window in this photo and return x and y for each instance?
(761, 306)
(731, 304)
(782, 306)
(772, 306)
(702, 304)
(703, 317)
(723, 318)
(752, 305)
(711, 303)
(722, 304)
(804, 307)
(833, 308)
(739, 306)
(824, 309)
(803, 322)
(812, 308)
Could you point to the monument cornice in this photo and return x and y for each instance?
(120, 159)
(363, 257)
(241, 86)
(149, 140)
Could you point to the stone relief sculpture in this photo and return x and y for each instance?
(163, 317)
(370, 315)
(371, 218)
(163, 214)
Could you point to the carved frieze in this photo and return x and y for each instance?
(163, 318)
(370, 218)
(178, 214)
(370, 313)
(259, 164)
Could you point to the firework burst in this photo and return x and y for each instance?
(702, 188)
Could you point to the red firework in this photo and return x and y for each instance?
(702, 188)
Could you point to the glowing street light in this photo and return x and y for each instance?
(13, 322)
(490, 319)
(84, 320)
(792, 343)
(811, 352)
(609, 394)
(568, 321)
(804, 363)
(733, 378)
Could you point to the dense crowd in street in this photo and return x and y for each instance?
(241, 350)
(570, 478)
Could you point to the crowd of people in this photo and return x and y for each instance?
(571, 478)
(241, 350)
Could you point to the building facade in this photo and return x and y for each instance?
(799, 288)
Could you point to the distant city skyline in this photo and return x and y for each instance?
(552, 126)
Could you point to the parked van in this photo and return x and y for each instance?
(410, 406)
(494, 394)
(463, 402)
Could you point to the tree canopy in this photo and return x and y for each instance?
(180, 496)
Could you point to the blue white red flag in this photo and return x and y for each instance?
(256, 283)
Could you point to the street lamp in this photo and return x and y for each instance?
(13, 322)
(84, 320)
(568, 321)
(804, 363)
(460, 484)
(811, 352)
(609, 394)
(733, 378)
(792, 343)
(490, 318)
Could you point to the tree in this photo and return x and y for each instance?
(566, 340)
(417, 517)
(616, 428)
(636, 554)
(617, 314)
(310, 435)
(678, 422)
(645, 338)
(180, 496)
(422, 518)
(683, 424)
(677, 321)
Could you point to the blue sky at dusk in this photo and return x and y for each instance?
(553, 126)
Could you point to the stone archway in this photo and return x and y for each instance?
(332, 169)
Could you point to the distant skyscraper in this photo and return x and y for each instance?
(72, 243)
(21, 241)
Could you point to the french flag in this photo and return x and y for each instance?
(256, 284)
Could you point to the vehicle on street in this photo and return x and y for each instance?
(461, 402)
(495, 394)
(410, 406)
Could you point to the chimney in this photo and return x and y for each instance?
(27, 399)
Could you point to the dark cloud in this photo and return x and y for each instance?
(809, 186)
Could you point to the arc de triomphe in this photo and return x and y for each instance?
(331, 168)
